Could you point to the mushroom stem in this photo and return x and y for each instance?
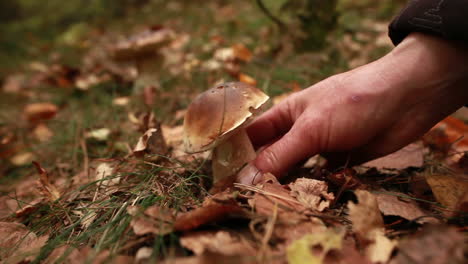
(148, 68)
(231, 155)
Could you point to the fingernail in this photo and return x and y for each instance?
(249, 175)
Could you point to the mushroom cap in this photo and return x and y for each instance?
(215, 113)
(142, 43)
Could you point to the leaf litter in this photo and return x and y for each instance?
(125, 191)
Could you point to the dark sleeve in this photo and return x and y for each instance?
(445, 18)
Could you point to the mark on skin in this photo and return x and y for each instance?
(356, 98)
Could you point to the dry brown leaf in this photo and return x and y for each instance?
(268, 195)
(393, 204)
(151, 142)
(223, 242)
(40, 111)
(410, 156)
(448, 189)
(19, 244)
(68, 254)
(433, 245)
(211, 258)
(365, 215)
(368, 225)
(218, 207)
(155, 220)
(241, 52)
(247, 79)
(313, 194)
(47, 189)
(105, 170)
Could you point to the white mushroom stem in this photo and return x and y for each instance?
(148, 68)
(232, 154)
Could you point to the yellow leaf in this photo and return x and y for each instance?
(300, 250)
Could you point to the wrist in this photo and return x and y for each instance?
(423, 67)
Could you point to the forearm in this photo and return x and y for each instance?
(421, 66)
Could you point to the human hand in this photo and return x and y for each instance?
(367, 112)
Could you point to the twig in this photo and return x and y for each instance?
(258, 190)
(267, 12)
(85, 157)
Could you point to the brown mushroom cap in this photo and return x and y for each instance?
(218, 111)
(141, 44)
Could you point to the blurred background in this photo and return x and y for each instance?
(65, 99)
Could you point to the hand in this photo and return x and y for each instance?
(367, 112)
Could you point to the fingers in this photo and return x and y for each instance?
(273, 123)
(292, 148)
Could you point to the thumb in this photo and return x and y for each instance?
(296, 145)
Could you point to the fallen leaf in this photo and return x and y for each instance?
(143, 254)
(68, 254)
(40, 111)
(311, 193)
(394, 204)
(227, 243)
(312, 248)
(47, 189)
(247, 79)
(212, 258)
(365, 215)
(241, 52)
(382, 247)
(13, 83)
(18, 243)
(154, 220)
(268, 195)
(215, 208)
(410, 156)
(433, 245)
(101, 134)
(448, 189)
(103, 173)
(121, 101)
(152, 142)
(21, 159)
(368, 225)
(292, 232)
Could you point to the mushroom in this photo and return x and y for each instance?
(216, 120)
(143, 49)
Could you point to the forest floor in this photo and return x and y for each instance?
(92, 165)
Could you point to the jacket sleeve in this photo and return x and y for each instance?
(445, 18)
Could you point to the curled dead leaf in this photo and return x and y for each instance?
(47, 189)
(152, 141)
(311, 193)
